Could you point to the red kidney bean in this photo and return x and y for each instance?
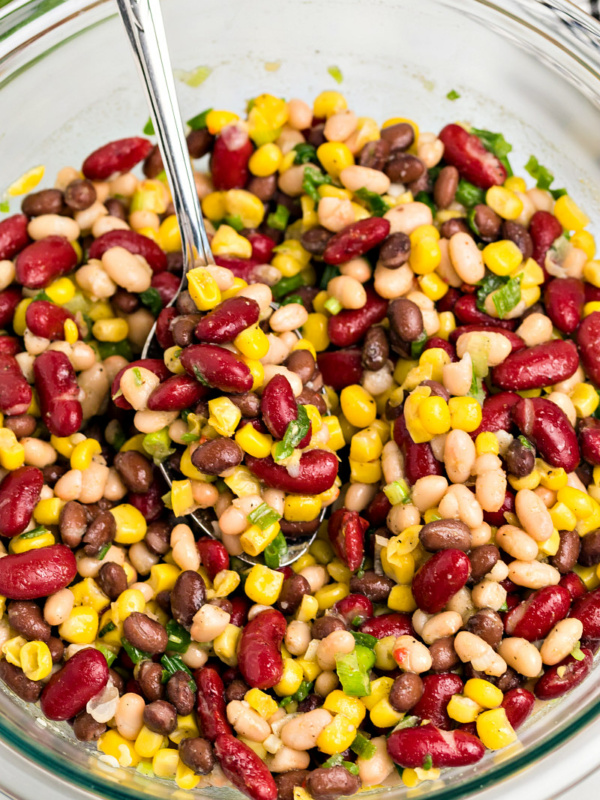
(448, 301)
(592, 293)
(47, 319)
(227, 320)
(388, 625)
(166, 284)
(41, 262)
(13, 235)
(589, 439)
(340, 368)
(437, 691)
(347, 535)
(574, 585)
(547, 426)
(518, 704)
(587, 610)
(588, 336)
(241, 267)
(244, 768)
(516, 342)
(58, 393)
(537, 366)
(439, 579)
(9, 345)
(278, 408)
(564, 299)
(356, 239)
(136, 243)
(555, 683)
(496, 413)
(349, 326)
(217, 367)
(262, 245)
(15, 392)
(155, 365)
(118, 156)
(37, 573)
(176, 393)
(150, 503)
(465, 310)
(164, 334)
(259, 653)
(354, 606)
(497, 518)
(466, 152)
(9, 300)
(410, 747)
(378, 509)
(441, 344)
(229, 159)
(419, 460)
(71, 688)
(535, 617)
(210, 703)
(213, 555)
(317, 472)
(19, 493)
(544, 229)
(239, 612)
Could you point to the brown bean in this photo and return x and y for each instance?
(520, 458)
(404, 168)
(302, 363)
(445, 534)
(72, 523)
(375, 349)
(21, 425)
(287, 781)
(406, 691)
(399, 136)
(153, 165)
(508, 680)
(445, 186)
(199, 143)
(310, 702)
(437, 389)
(112, 579)
(315, 240)
(116, 208)
(322, 627)
(375, 587)
(80, 194)
(150, 680)
(217, 456)
(263, 188)
(57, 649)
(292, 592)
(160, 717)
(101, 531)
(443, 655)
(297, 529)
(518, 234)
(422, 184)
(48, 201)
(51, 473)
(486, 222)
(117, 680)
(26, 618)
(86, 729)
(180, 694)
(158, 537)
(184, 303)
(483, 559)
(568, 551)
(182, 329)
(328, 784)
(589, 554)
(395, 250)
(144, 633)
(487, 624)
(452, 226)
(197, 754)
(375, 154)
(315, 136)
(135, 471)
(248, 403)
(236, 690)
(187, 596)
(406, 319)
(15, 679)
(124, 301)
(309, 397)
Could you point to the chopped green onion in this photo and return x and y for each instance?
(576, 652)
(541, 175)
(42, 296)
(104, 551)
(364, 639)
(556, 193)
(363, 747)
(198, 122)
(137, 376)
(290, 299)
(151, 299)
(287, 285)
(452, 95)
(336, 73)
(397, 492)
(333, 305)
(188, 437)
(279, 218)
(158, 445)
(145, 768)
(312, 179)
(353, 674)
(504, 606)
(302, 691)
(525, 442)
(427, 199)
(199, 376)
(337, 760)
(468, 194)
(179, 638)
(357, 621)
(107, 653)
(108, 628)
(166, 498)
(375, 202)
(295, 432)
(108, 349)
(264, 516)
(276, 551)
(149, 128)
(194, 77)
(508, 297)
(476, 390)
(417, 347)
(234, 222)
(4, 206)
(304, 153)
(428, 762)
(407, 722)
(173, 664)
(34, 533)
(134, 654)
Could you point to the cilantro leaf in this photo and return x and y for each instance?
(487, 285)
(295, 432)
(506, 298)
(542, 175)
(496, 144)
(375, 202)
(198, 122)
(279, 218)
(468, 194)
(313, 178)
(149, 128)
(452, 95)
(305, 152)
(417, 347)
(276, 551)
(152, 300)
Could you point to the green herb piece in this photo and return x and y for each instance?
(496, 144)
(166, 498)
(305, 153)
(108, 628)
(279, 218)
(312, 179)
(487, 285)
(264, 516)
(43, 296)
(134, 654)
(542, 175)
(471, 220)
(34, 533)
(375, 202)
(576, 652)
(556, 193)
(364, 639)
(151, 299)
(508, 297)
(4, 206)
(407, 722)
(285, 701)
(295, 432)
(476, 390)
(468, 194)
(291, 299)
(158, 445)
(452, 95)
(329, 273)
(338, 761)
(107, 653)
(352, 674)
(199, 376)
(417, 347)
(179, 638)
(504, 606)
(428, 762)
(333, 305)
(190, 437)
(234, 222)
(525, 442)
(276, 551)
(104, 551)
(137, 376)
(149, 128)
(173, 664)
(336, 73)
(108, 349)
(427, 199)
(287, 285)
(194, 77)
(363, 747)
(198, 122)
(357, 621)
(302, 691)
(397, 492)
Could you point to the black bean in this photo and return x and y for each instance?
(404, 168)
(589, 554)
(568, 551)
(26, 618)
(21, 425)
(126, 302)
(445, 186)
(376, 587)
(331, 783)
(185, 305)
(315, 240)
(116, 208)
(72, 523)
(375, 154)
(520, 458)
(292, 591)
(452, 226)
(395, 251)
(443, 655)
(406, 319)
(112, 579)
(486, 624)
(483, 559)
(86, 729)
(15, 679)
(375, 349)
(197, 754)
(309, 397)
(135, 470)
(183, 327)
(180, 694)
(160, 717)
(323, 626)
(150, 680)
(101, 531)
(406, 691)
(236, 690)
(287, 781)
(158, 537)
(153, 165)
(47, 201)
(302, 363)
(399, 136)
(144, 633)
(187, 597)
(57, 649)
(310, 702)
(80, 194)
(298, 529)
(487, 223)
(52, 472)
(263, 188)
(445, 534)
(518, 234)
(199, 143)
(437, 389)
(217, 456)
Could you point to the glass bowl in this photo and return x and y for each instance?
(526, 68)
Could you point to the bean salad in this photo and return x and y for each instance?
(398, 351)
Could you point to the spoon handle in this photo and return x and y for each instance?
(144, 25)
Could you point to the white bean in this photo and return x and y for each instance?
(466, 258)
(533, 574)
(521, 655)
(561, 641)
(459, 456)
(127, 270)
(302, 732)
(533, 515)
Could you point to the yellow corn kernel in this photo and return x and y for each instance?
(266, 118)
(305, 560)
(309, 216)
(308, 609)
(337, 736)
(36, 660)
(286, 264)
(380, 688)
(358, 406)
(589, 308)
(88, 593)
(401, 599)
(263, 585)
(588, 575)
(228, 242)
(72, 332)
(226, 643)
(113, 744)
(435, 359)
(128, 602)
(365, 473)
(319, 302)
(238, 284)
(62, 444)
(351, 707)
(487, 442)
(301, 507)
(12, 649)
(465, 413)
(494, 729)
(186, 729)
(383, 715)
(570, 216)
(425, 255)
(168, 236)
(334, 191)
(131, 525)
(224, 415)
(226, 581)
(254, 540)
(216, 120)
(531, 481)
(246, 206)
(366, 445)
(401, 569)
(339, 571)
(314, 330)
(304, 344)
(447, 324)
(553, 479)
(203, 289)
(213, 206)
(24, 543)
(165, 763)
(256, 370)
(185, 777)
(424, 232)
(12, 452)
(322, 551)
(329, 103)
(108, 330)
(150, 195)
(583, 240)
(550, 546)
(47, 512)
(252, 342)
(515, 184)
(433, 286)
(580, 503)
(562, 517)
(384, 658)
(27, 181)
(261, 702)
(242, 482)
(163, 577)
(19, 324)
(81, 626)
(253, 442)
(334, 156)
(434, 415)
(265, 160)
(329, 595)
(310, 669)
(530, 296)
(504, 202)
(585, 399)
(462, 709)
(291, 678)
(483, 693)
(83, 452)
(502, 257)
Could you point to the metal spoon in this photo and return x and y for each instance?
(145, 28)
